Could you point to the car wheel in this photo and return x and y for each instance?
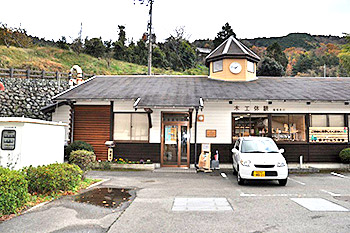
(282, 182)
(240, 181)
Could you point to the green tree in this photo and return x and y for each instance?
(62, 43)
(303, 64)
(94, 47)
(344, 56)
(270, 67)
(120, 48)
(222, 35)
(275, 51)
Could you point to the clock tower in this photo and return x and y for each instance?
(232, 61)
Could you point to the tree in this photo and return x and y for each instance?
(270, 67)
(275, 51)
(344, 56)
(303, 64)
(14, 37)
(119, 46)
(94, 47)
(108, 52)
(62, 43)
(223, 35)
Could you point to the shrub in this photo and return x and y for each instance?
(77, 145)
(13, 191)
(83, 158)
(345, 155)
(53, 177)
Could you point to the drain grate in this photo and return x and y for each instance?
(201, 204)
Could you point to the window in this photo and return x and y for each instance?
(250, 67)
(288, 127)
(327, 120)
(131, 127)
(250, 125)
(217, 66)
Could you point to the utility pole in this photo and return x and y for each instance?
(150, 38)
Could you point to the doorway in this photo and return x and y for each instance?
(175, 145)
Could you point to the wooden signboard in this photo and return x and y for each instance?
(328, 134)
(210, 133)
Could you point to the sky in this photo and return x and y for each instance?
(201, 19)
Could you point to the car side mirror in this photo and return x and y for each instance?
(234, 150)
(281, 150)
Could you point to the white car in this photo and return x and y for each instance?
(259, 158)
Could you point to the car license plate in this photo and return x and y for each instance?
(259, 173)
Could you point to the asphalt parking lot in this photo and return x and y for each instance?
(202, 202)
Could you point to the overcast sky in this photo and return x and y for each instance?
(201, 18)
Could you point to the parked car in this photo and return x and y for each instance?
(259, 158)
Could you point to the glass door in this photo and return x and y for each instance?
(170, 145)
(175, 145)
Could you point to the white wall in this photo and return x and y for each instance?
(62, 114)
(217, 114)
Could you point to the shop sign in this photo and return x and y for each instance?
(328, 134)
(210, 133)
(256, 108)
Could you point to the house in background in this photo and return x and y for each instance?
(167, 118)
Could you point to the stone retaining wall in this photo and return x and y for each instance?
(25, 97)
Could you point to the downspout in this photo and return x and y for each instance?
(195, 138)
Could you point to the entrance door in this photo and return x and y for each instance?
(175, 144)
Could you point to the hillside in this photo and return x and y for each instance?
(55, 59)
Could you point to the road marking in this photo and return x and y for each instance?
(223, 174)
(318, 204)
(296, 181)
(330, 193)
(201, 204)
(337, 174)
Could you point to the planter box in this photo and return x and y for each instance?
(146, 167)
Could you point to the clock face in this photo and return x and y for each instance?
(235, 68)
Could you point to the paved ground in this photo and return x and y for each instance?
(257, 207)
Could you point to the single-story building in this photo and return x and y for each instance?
(162, 117)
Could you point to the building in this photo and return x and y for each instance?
(167, 118)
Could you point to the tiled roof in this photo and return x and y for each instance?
(232, 48)
(185, 91)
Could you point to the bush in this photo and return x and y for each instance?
(13, 191)
(77, 145)
(83, 158)
(53, 178)
(345, 155)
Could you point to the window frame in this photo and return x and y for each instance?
(222, 66)
(131, 141)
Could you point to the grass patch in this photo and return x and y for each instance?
(55, 59)
(35, 198)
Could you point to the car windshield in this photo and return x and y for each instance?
(258, 146)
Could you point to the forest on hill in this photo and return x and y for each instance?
(296, 54)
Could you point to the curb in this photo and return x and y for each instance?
(47, 202)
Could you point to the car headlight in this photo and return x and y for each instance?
(281, 164)
(245, 163)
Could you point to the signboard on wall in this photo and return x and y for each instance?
(210, 133)
(328, 134)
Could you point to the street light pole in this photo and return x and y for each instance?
(150, 39)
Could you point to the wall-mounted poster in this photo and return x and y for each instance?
(170, 134)
(328, 134)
